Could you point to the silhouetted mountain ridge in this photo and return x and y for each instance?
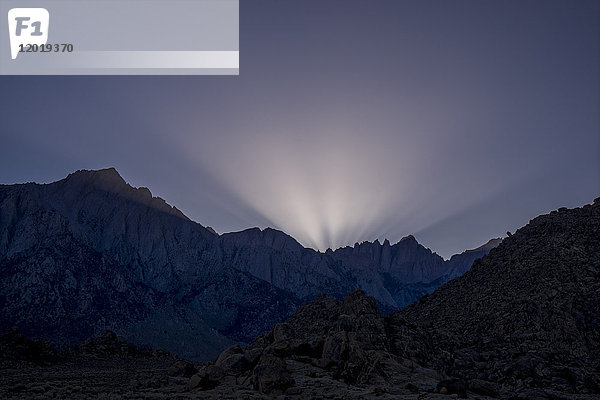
(91, 252)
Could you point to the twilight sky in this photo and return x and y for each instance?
(455, 121)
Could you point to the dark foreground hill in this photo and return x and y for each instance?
(91, 252)
(528, 314)
(523, 323)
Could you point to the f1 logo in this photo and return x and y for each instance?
(27, 26)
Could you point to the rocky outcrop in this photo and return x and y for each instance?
(526, 317)
(326, 348)
(16, 348)
(105, 366)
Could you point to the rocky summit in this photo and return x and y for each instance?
(522, 323)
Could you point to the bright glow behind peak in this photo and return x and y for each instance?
(326, 190)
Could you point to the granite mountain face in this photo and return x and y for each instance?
(90, 252)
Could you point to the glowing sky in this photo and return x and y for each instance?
(350, 120)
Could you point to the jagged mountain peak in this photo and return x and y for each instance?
(408, 239)
(257, 232)
(275, 232)
(110, 172)
(109, 180)
(269, 237)
(106, 176)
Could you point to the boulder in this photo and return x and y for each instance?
(207, 378)
(182, 368)
(452, 386)
(345, 323)
(335, 349)
(271, 379)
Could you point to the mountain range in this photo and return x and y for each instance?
(91, 252)
(522, 323)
